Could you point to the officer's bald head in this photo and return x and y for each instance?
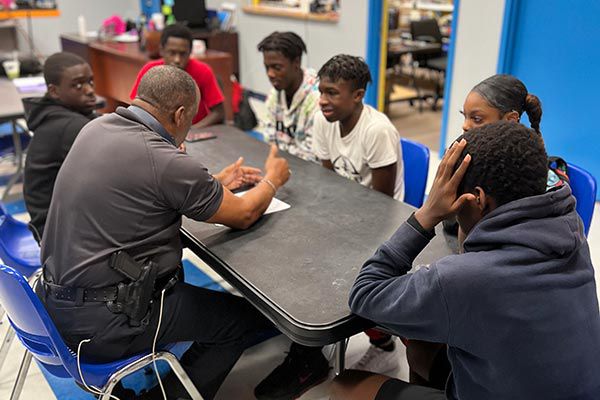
(167, 88)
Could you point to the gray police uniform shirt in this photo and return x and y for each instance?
(123, 186)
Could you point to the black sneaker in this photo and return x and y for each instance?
(303, 368)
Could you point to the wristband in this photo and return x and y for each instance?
(268, 182)
(412, 221)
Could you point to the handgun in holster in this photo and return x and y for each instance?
(134, 297)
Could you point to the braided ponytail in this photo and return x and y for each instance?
(533, 108)
(507, 93)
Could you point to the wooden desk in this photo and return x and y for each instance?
(116, 66)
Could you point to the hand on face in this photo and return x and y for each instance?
(443, 201)
(237, 175)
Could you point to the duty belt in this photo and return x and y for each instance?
(79, 295)
(101, 295)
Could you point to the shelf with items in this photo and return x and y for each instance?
(295, 9)
(445, 6)
(405, 11)
(29, 13)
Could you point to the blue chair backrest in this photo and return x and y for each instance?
(18, 248)
(32, 324)
(583, 186)
(415, 157)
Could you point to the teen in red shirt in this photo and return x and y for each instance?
(176, 47)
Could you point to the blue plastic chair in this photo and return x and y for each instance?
(583, 186)
(415, 157)
(19, 250)
(39, 335)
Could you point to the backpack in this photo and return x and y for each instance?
(557, 172)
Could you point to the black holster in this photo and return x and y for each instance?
(134, 298)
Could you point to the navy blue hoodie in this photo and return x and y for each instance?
(518, 309)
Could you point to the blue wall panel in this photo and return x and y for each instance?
(373, 56)
(554, 47)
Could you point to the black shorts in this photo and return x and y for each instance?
(395, 389)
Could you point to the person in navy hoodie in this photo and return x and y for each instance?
(518, 308)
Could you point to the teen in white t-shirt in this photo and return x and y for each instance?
(353, 138)
(370, 145)
(360, 143)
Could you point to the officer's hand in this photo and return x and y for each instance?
(237, 175)
(276, 168)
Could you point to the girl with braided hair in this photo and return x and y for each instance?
(501, 97)
(504, 97)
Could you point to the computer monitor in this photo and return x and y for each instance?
(190, 12)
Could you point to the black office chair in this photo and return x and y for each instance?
(427, 30)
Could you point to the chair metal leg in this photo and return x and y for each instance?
(8, 338)
(340, 356)
(181, 375)
(19, 160)
(109, 388)
(21, 376)
(141, 364)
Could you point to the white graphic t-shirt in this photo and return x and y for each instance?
(290, 127)
(373, 143)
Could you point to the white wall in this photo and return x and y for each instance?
(46, 31)
(475, 55)
(323, 39)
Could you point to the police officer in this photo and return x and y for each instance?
(113, 231)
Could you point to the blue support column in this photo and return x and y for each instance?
(373, 57)
(448, 78)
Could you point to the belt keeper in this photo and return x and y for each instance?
(79, 293)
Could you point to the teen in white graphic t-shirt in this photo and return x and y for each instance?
(353, 138)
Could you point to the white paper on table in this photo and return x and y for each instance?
(276, 205)
(30, 84)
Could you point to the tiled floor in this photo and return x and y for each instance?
(256, 362)
(424, 127)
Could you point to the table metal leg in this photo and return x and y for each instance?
(340, 357)
(19, 160)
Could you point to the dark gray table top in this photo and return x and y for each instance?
(11, 106)
(297, 266)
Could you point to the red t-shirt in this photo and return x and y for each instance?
(210, 94)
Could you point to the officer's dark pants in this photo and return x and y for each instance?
(220, 325)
